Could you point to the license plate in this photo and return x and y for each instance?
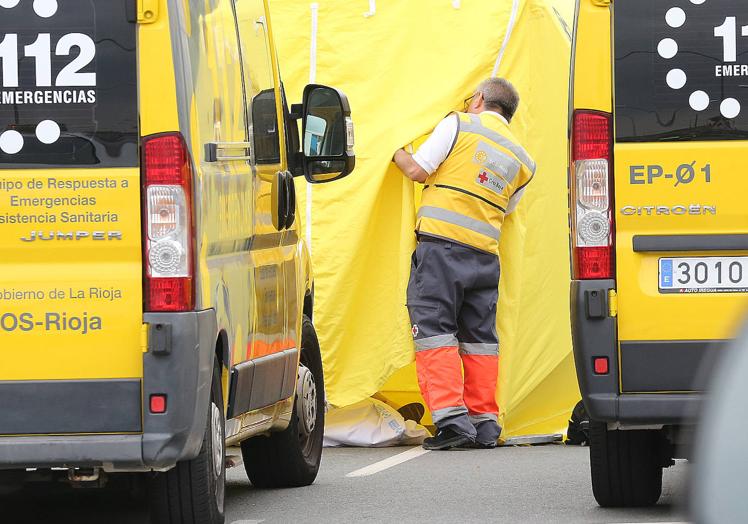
(704, 275)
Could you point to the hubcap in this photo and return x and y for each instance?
(306, 400)
(217, 433)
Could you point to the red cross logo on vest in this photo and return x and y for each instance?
(483, 177)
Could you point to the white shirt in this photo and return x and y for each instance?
(436, 148)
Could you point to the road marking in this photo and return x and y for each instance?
(389, 462)
(247, 521)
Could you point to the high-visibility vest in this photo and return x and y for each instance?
(466, 198)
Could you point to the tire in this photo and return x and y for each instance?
(193, 492)
(626, 466)
(291, 458)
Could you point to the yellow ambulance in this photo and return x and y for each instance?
(659, 229)
(155, 291)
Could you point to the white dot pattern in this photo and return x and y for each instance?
(45, 8)
(11, 142)
(675, 17)
(667, 48)
(48, 132)
(676, 78)
(699, 100)
(730, 108)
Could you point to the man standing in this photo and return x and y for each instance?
(475, 173)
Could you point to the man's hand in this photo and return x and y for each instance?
(409, 167)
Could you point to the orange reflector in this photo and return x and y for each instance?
(601, 365)
(158, 403)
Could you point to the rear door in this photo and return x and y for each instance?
(681, 125)
(70, 264)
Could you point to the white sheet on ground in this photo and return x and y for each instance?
(372, 424)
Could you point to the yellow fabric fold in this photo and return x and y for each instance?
(403, 69)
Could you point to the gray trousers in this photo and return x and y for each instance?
(452, 298)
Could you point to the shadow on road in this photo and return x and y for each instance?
(660, 511)
(65, 505)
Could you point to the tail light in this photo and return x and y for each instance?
(167, 224)
(592, 196)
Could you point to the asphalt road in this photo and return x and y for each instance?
(548, 484)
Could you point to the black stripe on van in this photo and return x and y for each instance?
(666, 243)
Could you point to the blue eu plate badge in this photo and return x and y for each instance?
(666, 274)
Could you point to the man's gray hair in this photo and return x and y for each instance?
(499, 93)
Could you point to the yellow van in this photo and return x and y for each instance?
(155, 292)
(659, 229)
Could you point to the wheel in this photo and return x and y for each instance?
(193, 491)
(291, 458)
(626, 466)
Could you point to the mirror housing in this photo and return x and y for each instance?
(327, 135)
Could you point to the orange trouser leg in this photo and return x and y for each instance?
(440, 378)
(481, 376)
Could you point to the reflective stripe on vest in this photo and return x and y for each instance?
(454, 218)
(475, 126)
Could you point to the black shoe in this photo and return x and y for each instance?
(481, 445)
(447, 439)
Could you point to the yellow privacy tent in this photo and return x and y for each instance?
(404, 65)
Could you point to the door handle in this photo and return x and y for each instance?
(290, 200)
(283, 197)
(227, 151)
(279, 201)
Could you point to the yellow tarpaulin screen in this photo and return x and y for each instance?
(404, 65)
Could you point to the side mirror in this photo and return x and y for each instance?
(327, 131)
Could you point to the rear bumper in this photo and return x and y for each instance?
(644, 409)
(594, 335)
(178, 364)
(113, 453)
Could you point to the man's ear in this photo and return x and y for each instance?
(478, 100)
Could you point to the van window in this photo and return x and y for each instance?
(258, 80)
(681, 70)
(68, 84)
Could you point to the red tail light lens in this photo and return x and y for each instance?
(594, 263)
(167, 224)
(591, 135)
(592, 189)
(166, 160)
(169, 294)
